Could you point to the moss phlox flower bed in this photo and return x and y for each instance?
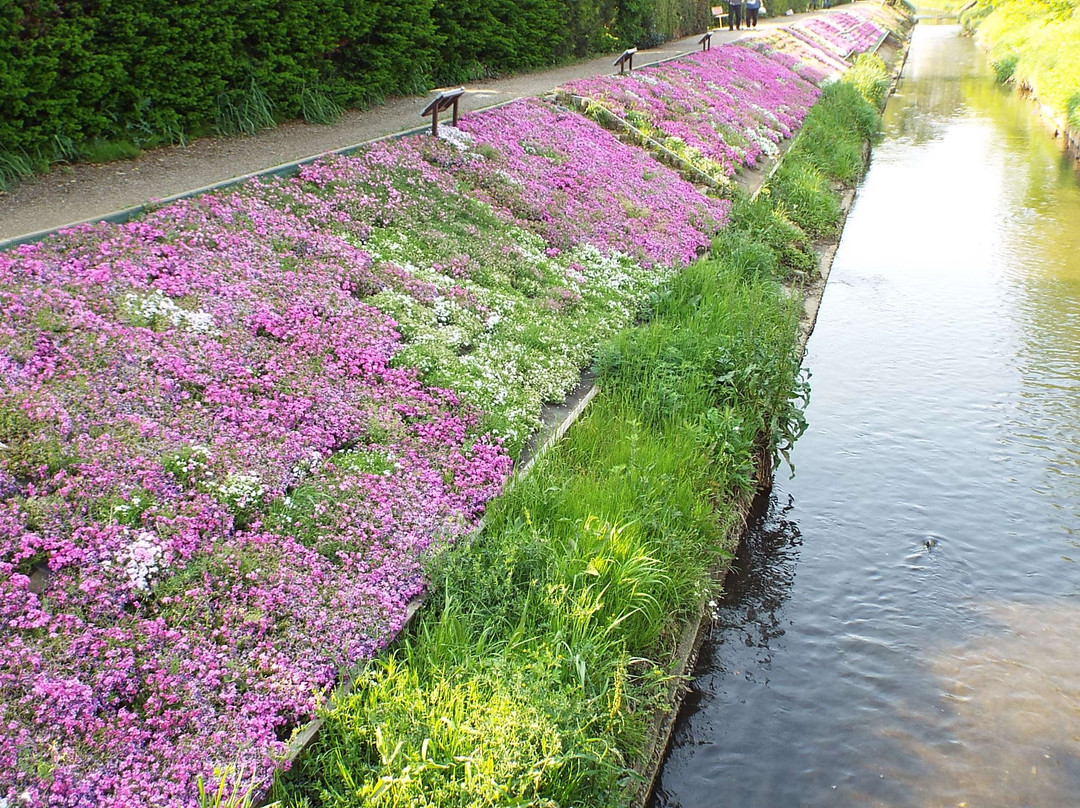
(230, 436)
(723, 109)
(843, 33)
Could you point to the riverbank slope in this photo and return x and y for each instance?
(1035, 47)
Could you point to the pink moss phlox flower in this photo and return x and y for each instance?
(726, 104)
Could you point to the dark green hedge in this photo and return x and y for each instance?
(74, 73)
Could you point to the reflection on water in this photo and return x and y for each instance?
(905, 625)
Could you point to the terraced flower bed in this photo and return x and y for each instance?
(728, 108)
(844, 33)
(721, 110)
(803, 55)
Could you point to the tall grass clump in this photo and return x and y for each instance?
(870, 76)
(808, 195)
(108, 151)
(244, 112)
(840, 125)
(14, 166)
(762, 239)
(1072, 111)
(1005, 68)
(829, 153)
(549, 644)
(319, 107)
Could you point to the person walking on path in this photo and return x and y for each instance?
(752, 8)
(734, 20)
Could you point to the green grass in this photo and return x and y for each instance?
(869, 75)
(14, 166)
(318, 107)
(827, 155)
(1005, 67)
(107, 151)
(763, 222)
(808, 198)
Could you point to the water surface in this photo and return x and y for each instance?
(904, 626)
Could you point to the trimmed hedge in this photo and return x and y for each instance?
(150, 71)
(80, 73)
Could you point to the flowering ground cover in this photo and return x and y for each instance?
(721, 110)
(509, 252)
(843, 33)
(805, 57)
(233, 432)
(570, 182)
(217, 493)
(817, 48)
(729, 107)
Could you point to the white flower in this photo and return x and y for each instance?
(444, 309)
(455, 137)
(157, 305)
(241, 490)
(141, 560)
(307, 465)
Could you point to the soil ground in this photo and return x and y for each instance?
(85, 191)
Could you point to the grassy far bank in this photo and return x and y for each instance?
(1036, 45)
(534, 676)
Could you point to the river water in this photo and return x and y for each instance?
(903, 628)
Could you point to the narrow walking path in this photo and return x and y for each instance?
(76, 193)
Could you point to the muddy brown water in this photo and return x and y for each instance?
(903, 626)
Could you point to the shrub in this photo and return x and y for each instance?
(1005, 68)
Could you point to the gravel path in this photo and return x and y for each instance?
(81, 192)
